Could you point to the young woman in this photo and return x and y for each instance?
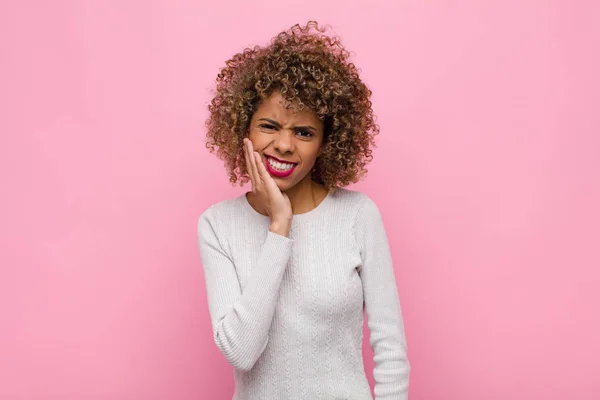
(291, 265)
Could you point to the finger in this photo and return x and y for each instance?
(249, 168)
(257, 178)
(247, 161)
(264, 174)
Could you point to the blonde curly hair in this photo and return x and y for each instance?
(309, 69)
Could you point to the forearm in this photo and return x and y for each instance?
(241, 330)
(384, 315)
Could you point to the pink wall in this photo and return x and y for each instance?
(487, 174)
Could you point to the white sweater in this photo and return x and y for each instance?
(287, 313)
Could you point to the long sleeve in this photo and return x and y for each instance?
(241, 321)
(386, 326)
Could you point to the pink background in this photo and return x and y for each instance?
(487, 174)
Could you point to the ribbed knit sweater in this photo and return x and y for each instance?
(287, 312)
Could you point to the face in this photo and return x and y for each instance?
(288, 141)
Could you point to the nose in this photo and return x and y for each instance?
(284, 142)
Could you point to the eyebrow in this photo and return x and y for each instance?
(277, 124)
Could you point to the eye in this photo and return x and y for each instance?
(305, 133)
(267, 126)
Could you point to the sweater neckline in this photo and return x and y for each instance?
(318, 210)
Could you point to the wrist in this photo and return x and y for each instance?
(281, 227)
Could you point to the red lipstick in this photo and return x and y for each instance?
(276, 173)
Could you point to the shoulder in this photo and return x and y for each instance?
(361, 212)
(364, 217)
(356, 202)
(220, 211)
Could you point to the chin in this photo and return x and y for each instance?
(283, 186)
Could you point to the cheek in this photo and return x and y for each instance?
(309, 161)
(316, 153)
(257, 141)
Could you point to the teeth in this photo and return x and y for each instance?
(279, 166)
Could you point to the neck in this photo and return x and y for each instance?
(305, 196)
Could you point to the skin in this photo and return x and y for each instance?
(289, 135)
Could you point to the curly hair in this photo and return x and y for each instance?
(309, 69)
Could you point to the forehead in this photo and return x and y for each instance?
(275, 107)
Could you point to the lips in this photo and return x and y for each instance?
(276, 173)
(283, 161)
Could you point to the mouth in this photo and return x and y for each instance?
(278, 168)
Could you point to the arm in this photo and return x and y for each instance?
(387, 338)
(241, 321)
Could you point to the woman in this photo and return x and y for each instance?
(290, 265)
